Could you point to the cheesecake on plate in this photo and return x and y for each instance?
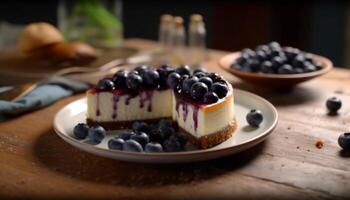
(200, 103)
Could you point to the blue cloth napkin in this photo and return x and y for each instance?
(46, 93)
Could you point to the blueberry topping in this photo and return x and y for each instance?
(126, 135)
(206, 80)
(344, 141)
(210, 97)
(254, 118)
(141, 70)
(81, 131)
(105, 84)
(173, 80)
(119, 78)
(333, 104)
(199, 70)
(141, 138)
(134, 81)
(200, 74)
(220, 89)
(215, 77)
(132, 145)
(140, 127)
(183, 70)
(96, 134)
(151, 78)
(198, 90)
(172, 145)
(153, 147)
(187, 84)
(116, 143)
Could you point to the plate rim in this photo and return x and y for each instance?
(257, 139)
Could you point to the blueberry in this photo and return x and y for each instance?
(172, 145)
(298, 70)
(126, 135)
(132, 145)
(166, 131)
(140, 127)
(96, 134)
(261, 55)
(187, 84)
(164, 122)
(210, 97)
(286, 69)
(308, 57)
(200, 69)
(153, 147)
(200, 74)
(309, 67)
(141, 70)
(119, 78)
(220, 89)
(298, 61)
(291, 52)
(266, 67)
(216, 77)
(163, 75)
(263, 48)
(198, 90)
(236, 66)
(344, 141)
(248, 52)
(151, 78)
(180, 138)
(276, 62)
(155, 135)
(173, 80)
(105, 84)
(274, 45)
(254, 118)
(254, 65)
(116, 143)
(134, 81)
(183, 70)
(333, 104)
(81, 131)
(206, 80)
(317, 64)
(242, 60)
(141, 138)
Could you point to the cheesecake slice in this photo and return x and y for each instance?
(201, 107)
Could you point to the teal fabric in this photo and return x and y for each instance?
(45, 94)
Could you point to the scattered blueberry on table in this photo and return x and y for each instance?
(274, 59)
(254, 118)
(344, 141)
(333, 104)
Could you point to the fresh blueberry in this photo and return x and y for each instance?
(254, 118)
(298, 61)
(277, 62)
(317, 64)
(151, 78)
(116, 143)
(140, 127)
(166, 131)
(141, 70)
(242, 60)
(210, 97)
(308, 57)
(96, 134)
(274, 44)
(172, 145)
(164, 122)
(291, 52)
(285, 69)
(183, 70)
(344, 141)
(141, 138)
(216, 77)
(132, 145)
(206, 80)
(164, 72)
(105, 84)
(153, 147)
(200, 74)
(187, 84)
(81, 131)
(333, 104)
(200, 69)
(248, 52)
(298, 70)
(220, 89)
(119, 78)
(266, 67)
(180, 138)
(126, 135)
(134, 81)
(261, 55)
(198, 90)
(263, 48)
(309, 67)
(173, 80)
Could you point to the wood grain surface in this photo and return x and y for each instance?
(36, 163)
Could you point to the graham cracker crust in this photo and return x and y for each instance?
(213, 139)
(120, 124)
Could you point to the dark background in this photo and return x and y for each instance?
(317, 27)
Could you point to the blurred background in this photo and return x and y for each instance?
(319, 27)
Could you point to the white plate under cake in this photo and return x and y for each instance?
(199, 103)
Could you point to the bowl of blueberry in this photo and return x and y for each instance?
(273, 66)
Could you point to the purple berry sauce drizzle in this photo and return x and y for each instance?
(185, 106)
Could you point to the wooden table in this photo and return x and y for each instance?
(35, 162)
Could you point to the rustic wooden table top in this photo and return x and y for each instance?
(35, 162)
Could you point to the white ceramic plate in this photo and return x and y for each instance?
(244, 137)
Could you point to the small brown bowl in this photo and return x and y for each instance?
(274, 81)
